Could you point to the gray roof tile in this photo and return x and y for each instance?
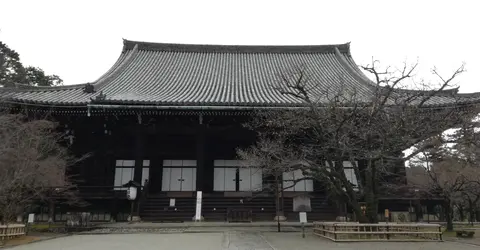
(223, 75)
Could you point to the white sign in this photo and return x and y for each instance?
(198, 212)
(31, 218)
(303, 217)
(172, 202)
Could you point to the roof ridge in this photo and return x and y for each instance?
(218, 48)
(473, 94)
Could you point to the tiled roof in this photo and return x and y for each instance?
(211, 75)
(62, 95)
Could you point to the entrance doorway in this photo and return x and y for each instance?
(179, 175)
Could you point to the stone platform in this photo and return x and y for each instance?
(199, 224)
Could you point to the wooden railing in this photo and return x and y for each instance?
(11, 231)
(378, 232)
(239, 215)
(96, 192)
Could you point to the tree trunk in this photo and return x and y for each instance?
(370, 193)
(277, 202)
(471, 211)
(352, 200)
(359, 214)
(51, 211)
(448, 215)
(418, 211)
(461, 212)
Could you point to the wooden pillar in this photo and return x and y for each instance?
(139, 153)
(114, 208)
(109, 165)
(200, 153)
(156, 172)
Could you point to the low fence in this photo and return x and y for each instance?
(378, 232)
(11, 231)
(103, 203)
(62, 216)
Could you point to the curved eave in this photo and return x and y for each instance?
(445, 92)
(133, 103)
(350, 65)
(198, 106)
(63, 95)
(125, 57)
(26, 102)
(28, 88)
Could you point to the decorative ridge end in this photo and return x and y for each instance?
(89, 88)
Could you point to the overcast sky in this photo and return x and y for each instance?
(80, 40)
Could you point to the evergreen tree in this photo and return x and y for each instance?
(13, 72)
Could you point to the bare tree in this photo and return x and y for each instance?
(450, 178)
(33, 165)
(463, 158)
(369, 131)
(274, 156)
(471, 199)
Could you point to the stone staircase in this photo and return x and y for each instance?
(321, 210)
(158, 209)
(222, 208)
(219, 208)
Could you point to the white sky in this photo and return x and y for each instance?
(80, 40)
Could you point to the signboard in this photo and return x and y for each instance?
(198, 211)
(303, 217)
(172, 202)
(31, 218)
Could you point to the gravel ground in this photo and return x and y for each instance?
(131, 242)
(293, 241)
(134, 230)
(228, 240)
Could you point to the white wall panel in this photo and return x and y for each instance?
(230, 179)
(257, 179)
(176, 179)
(145, 175)
(288, 181)
(118, 177)
(245, 176)
(166, 179)
(300, 185)
(219, 179)
(128, 163)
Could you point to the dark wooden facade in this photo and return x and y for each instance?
(156, 137)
